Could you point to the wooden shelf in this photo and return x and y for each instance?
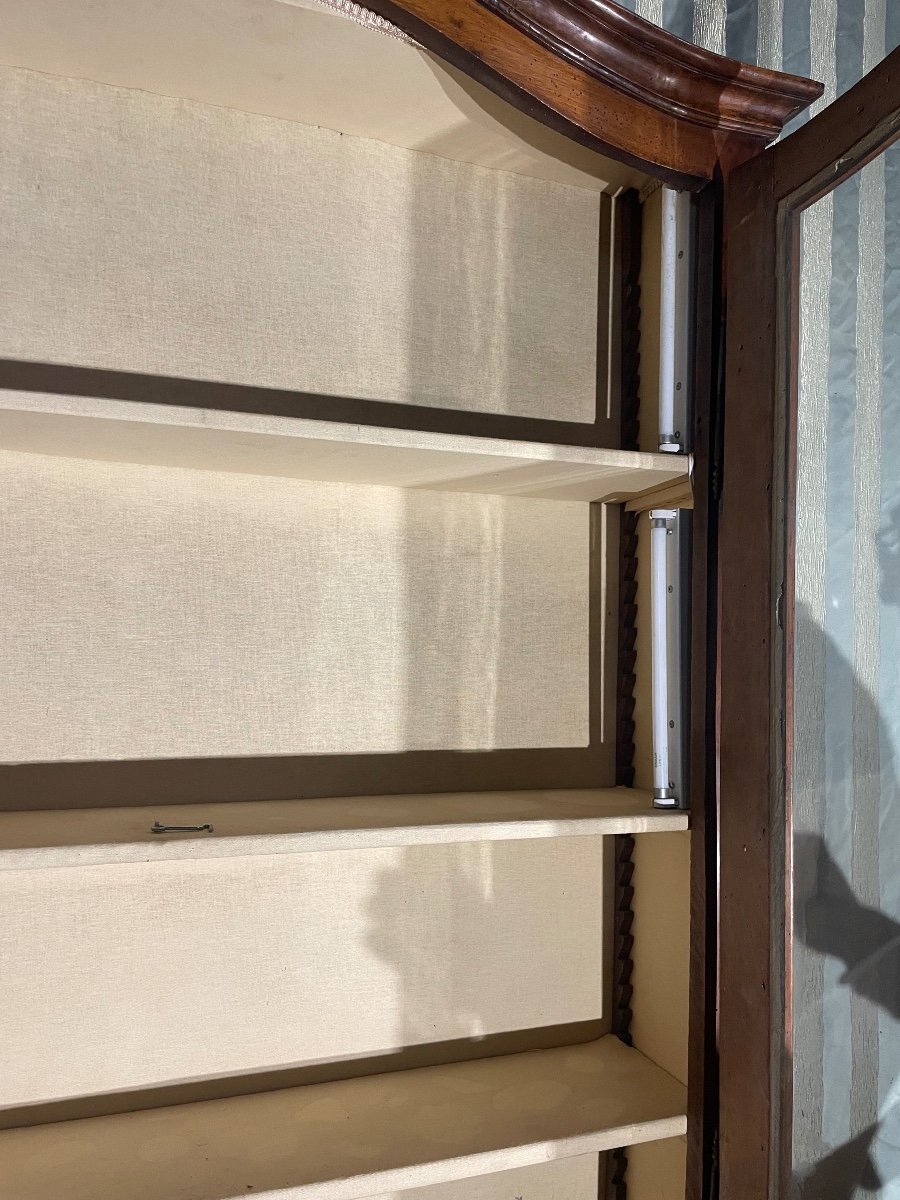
(94, 836)
(354, 1138)
(295, 447)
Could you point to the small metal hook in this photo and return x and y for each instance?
(157, 828)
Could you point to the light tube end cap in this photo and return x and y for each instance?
(664, 798)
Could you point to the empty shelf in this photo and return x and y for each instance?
(353, 1138)
(296, 447)
(115, 835)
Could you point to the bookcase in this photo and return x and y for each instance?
(311, 797)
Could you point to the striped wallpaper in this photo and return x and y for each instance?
(846, 1136)
(847, 689)
(847, 738)
(828, 39)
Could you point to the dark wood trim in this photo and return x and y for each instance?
(842, 138)
(787, 349)
(629, 274)
(627, 652)
(610, 80)
(748, 719)
(623, 968)
(629, 246)
(662, 71)
(615, 1185)
(703, 1067)
(764, 200)
(607, 416)
(628, 330)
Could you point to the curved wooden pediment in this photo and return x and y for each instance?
(612, 80)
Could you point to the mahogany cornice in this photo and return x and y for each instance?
(612, 44)
(611, 80)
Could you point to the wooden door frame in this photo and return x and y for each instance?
(764, 202)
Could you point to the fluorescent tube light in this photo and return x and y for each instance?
(661, 528)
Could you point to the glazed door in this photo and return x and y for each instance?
(809, 685)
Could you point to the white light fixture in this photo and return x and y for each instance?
(663, 652)
(674, 301)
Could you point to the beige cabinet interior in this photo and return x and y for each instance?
(213, 244)
(348, 1139)
(225, 967)
(352, 995)
(301, 941)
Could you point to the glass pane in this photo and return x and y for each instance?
(846, 729)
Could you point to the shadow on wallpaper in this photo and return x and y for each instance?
(833, 923)
(867, 942)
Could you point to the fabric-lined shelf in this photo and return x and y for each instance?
(86, 837)
(352, 1138)
(325, 451)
